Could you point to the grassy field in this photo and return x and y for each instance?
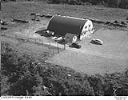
(24, 65)
(112, 46)
(23, 9)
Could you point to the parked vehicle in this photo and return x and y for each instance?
(97, 41)
(75, 45)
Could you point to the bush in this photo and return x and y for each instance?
(20, 72)
(126, 18)
(97, 82)
(54, 1)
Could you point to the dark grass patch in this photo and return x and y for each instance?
(3, 28)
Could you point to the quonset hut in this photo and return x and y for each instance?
(64, 25)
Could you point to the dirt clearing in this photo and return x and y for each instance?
(110, 57)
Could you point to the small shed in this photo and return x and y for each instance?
(70, 38)
(61, 25)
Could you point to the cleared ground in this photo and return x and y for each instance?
(110, 57)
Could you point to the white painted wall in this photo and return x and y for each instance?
(87, 30)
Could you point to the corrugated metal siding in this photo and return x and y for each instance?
(62, 25)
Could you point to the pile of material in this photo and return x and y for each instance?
(19, 20)
(2, 22)
(37, 16)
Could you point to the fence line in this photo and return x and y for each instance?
(35, 41)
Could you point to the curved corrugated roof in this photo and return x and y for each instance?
(63, 24)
